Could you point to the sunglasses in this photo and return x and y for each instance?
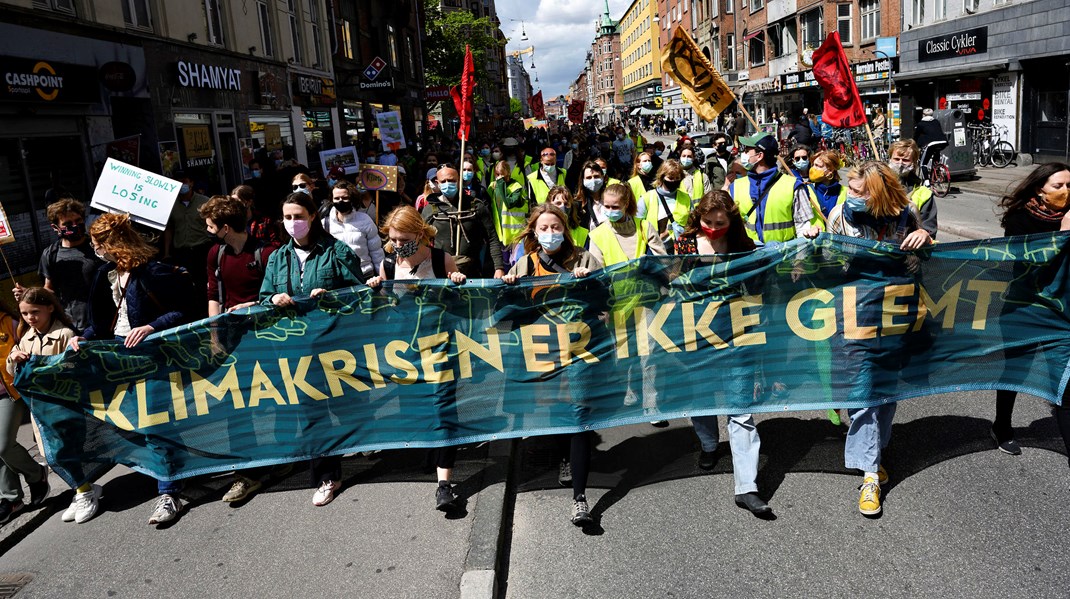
(300, 186)
(550, 155)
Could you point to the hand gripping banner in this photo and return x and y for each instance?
(833, 322)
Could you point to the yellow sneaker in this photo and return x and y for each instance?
(882, 475)
(869, 500)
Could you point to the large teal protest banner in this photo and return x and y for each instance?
(833, 322)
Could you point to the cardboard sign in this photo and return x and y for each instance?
(273, 136)
(146, 196)
(343, 157)
(198, 141)
(6, 234)
(390, 132)
(377, 177)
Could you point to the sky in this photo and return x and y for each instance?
(560, 30)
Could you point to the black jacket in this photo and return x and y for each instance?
(477, 233)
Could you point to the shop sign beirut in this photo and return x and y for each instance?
(31, 80)
(191, 74)
(965, 43)
(313, 91)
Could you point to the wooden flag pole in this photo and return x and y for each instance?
(6, 264)
(376, 208)
(460, 196)
(872, 143)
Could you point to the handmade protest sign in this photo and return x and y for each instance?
(146, 196)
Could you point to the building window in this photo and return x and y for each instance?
(411, 55)
(756, 5)
(810, 29)
(136, 13)
(729, 6)
(267, 43)
(347, 40)
(970, 5)
(295, 30)
(843, 23)
(756, 49)
(917, 12)
(782, 38)
(317, 45)
(941, 10)
(730, 56)
(214, 15)
(65, 6)
(871, 18)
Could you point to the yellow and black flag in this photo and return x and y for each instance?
(700, 83)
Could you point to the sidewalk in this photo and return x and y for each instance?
(31, 517)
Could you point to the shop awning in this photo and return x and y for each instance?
(954, 70)
(649, 111)
(635, 111)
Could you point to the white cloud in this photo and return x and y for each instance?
(561, 32)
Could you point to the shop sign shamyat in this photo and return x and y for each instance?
(964, 43)
(191, 74)
(31, 80)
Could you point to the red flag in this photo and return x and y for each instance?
(575, 111)
(462, 95)
(843, 105)
(537, 109)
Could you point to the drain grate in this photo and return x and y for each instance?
(11, 584)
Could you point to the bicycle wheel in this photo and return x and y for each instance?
(940, 180)
(1002, 154)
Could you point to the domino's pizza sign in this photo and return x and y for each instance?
(374, 77)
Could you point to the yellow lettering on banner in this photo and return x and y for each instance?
(642, 339)
(826, 316)
(574, 348)
(392, 358)
(692, 330)
(293, 381)
(261, 387)
(466, 347)
(202, 388)
(113, 411)
(429, 359)
(178, 395)
(948, 304)
(533, 349)
(985, 290)
(144, 418)
(653, 328)
(372, 360)
(851, 330)
(335, 375)
(741, 320)
(891, 309)
(620, 333)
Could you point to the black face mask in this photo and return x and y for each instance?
(345, 207)
(671, 185)
(722, 148)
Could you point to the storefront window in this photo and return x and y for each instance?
(1051, 106)
(353, 114)
(272, 134)
(319, 134)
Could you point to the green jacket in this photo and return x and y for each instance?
(331, 265)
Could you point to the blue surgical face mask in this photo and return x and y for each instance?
(467, 176)
(802, 165)
(575, 146)
(548, 168)
(256, 174)
(448, 189)
(592, 184)
(369, 160)
(686, 162)
(744, 161)
(657, 152)
(550, 241)
(613, 215)
(484, 152)
(184, 189)
(331, 182)
(855, 204)
(645, 166)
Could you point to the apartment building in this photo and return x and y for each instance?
(641, 56)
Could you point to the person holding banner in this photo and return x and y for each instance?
(551, 250)
(667, 207)
(903, 158)
(716, 228)
(310, 264)
(411, 255)
(131, 297)
(465, 226)
(1039, 204)
(876, 208)
(774, 207)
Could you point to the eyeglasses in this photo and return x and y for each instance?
(550, 154)
(300, 186)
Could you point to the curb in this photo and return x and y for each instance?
(964, 232)
(480, 578)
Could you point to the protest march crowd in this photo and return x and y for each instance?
(520, 203)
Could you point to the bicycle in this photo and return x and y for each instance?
(934, 170)
(989, 149)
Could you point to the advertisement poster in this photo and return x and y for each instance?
(377, 177)
(146, 196)
(1005, 104)
(169, 157)
(272, 136)
(390, 130)
(343, 157)
(6, 234)
(126, 149)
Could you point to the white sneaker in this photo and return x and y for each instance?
(167, 509)
(86, 504)
(325, 494)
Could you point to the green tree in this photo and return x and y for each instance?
(515, 107)
(447, 32)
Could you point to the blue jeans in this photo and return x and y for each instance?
(871, 429)
(744, 441)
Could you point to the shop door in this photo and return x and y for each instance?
(35, 171)
(1051, 111)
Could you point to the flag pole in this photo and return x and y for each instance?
(872, 143)
(460, 194)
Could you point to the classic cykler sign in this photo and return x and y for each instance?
(951, 45)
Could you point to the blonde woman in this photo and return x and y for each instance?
(667, 207)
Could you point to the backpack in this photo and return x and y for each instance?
(258, 264)
(438, 264)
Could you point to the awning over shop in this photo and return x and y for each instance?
(649, 111)
(956, 70)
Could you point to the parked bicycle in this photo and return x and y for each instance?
(934, 170)
(989, 149)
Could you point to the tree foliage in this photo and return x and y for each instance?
(446, 33)
(515, 107)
